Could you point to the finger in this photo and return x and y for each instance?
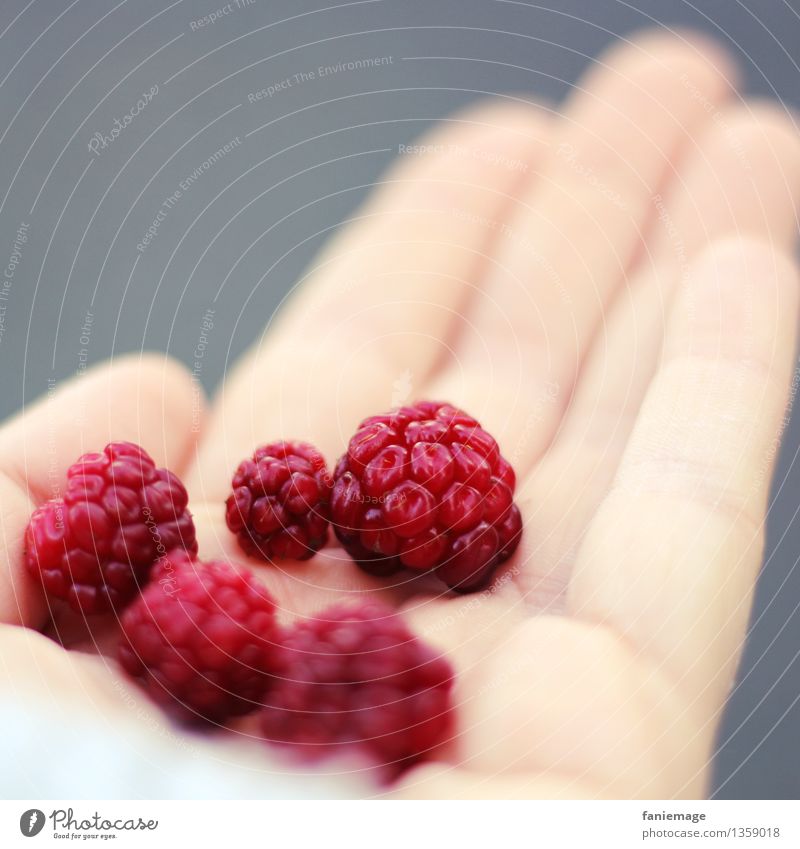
(379, 308)
(742, 178)
(571, 239)
(559, 703)
(146, 399)
(670, 559)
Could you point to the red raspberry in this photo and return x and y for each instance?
(357, 677)
(202, 639)
(95, 546)
(279, 504)
(425, 487)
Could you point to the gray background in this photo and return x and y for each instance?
(68, 69)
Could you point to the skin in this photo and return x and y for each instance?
(611, 292)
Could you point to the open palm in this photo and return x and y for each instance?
(608, 290)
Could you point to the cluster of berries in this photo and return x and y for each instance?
(204, 642)
(422, 488)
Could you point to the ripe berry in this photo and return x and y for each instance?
(201, 639)
(279, 504)
(95, 546)
(425, 488)
(357, 677)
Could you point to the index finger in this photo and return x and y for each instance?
(379, 309)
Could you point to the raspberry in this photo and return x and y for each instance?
(425, 488)
(357, 677)
(95, 546)
(201, 639)
(279, 504)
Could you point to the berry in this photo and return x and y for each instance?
(279, 504)
(95, 546)
(356, 677)
(425, 488)
(201, 639)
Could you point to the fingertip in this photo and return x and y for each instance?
(168, 389)
(504, 109)
(678, 47)
(500, 133)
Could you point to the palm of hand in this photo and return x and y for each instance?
(606, 290)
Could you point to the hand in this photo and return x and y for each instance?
(610, 291)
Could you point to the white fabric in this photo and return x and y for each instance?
(47, 754)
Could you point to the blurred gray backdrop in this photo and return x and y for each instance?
(79, 201)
